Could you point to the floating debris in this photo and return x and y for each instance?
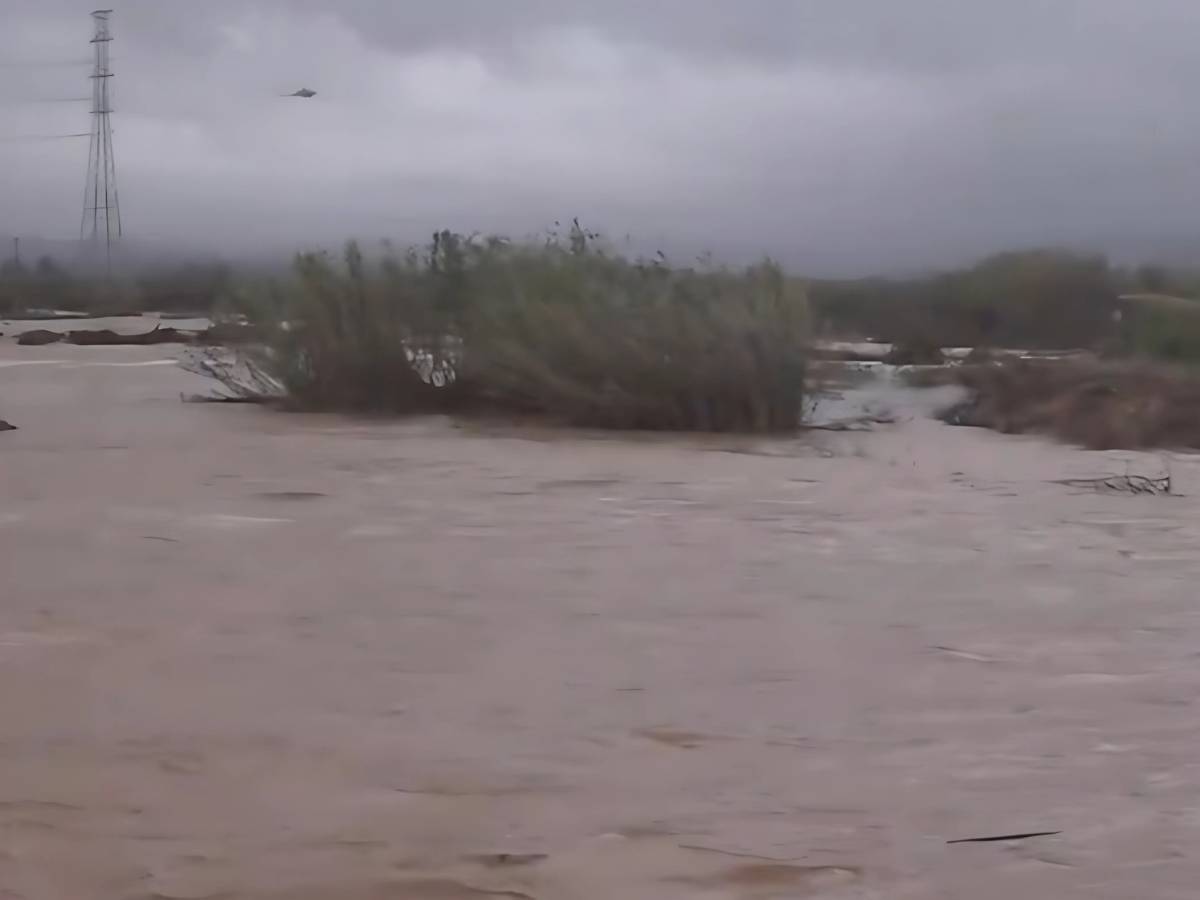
(1122, 484)
(1005, 837)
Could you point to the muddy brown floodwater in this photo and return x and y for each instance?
(251, 655)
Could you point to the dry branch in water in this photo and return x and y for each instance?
(1128, 484)
(244, 380)
(857, 423)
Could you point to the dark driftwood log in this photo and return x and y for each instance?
(1005, 837)
(38, 337)
(220, 334)
(106, 337)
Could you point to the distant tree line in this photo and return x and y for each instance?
(44, 285)
(1040, 298)
(1037, 299)
(193, 287)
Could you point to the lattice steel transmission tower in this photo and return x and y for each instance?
(101, 209)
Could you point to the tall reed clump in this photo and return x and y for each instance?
(561, 328)
(352, 336)
(595, 340)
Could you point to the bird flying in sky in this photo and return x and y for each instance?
(303, 92)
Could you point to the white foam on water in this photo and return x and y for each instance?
(72, 364)
(121, 365)
(374, 531)
(229, 521)
(882, 393)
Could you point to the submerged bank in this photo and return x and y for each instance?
(1100, 405)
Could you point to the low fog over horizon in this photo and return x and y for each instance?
(850, 138)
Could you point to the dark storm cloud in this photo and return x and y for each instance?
(850, 135)
(914, 35)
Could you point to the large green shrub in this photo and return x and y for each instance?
(596, 340)
(560, 328)
(351, 336)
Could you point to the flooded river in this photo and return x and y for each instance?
(251, 655)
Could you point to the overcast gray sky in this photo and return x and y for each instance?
(842, 135)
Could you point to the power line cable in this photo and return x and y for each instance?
(43, 64)
(30, 101)
(20, 138)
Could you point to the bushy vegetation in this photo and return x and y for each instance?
(1160, 327)
(1039, 299)
(565, 327)
(48, 285)
(597, 340)
(1036, 299)
(193, 288)
(352, 336)
(45, 285)
(562, 328)
(1099, 405)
